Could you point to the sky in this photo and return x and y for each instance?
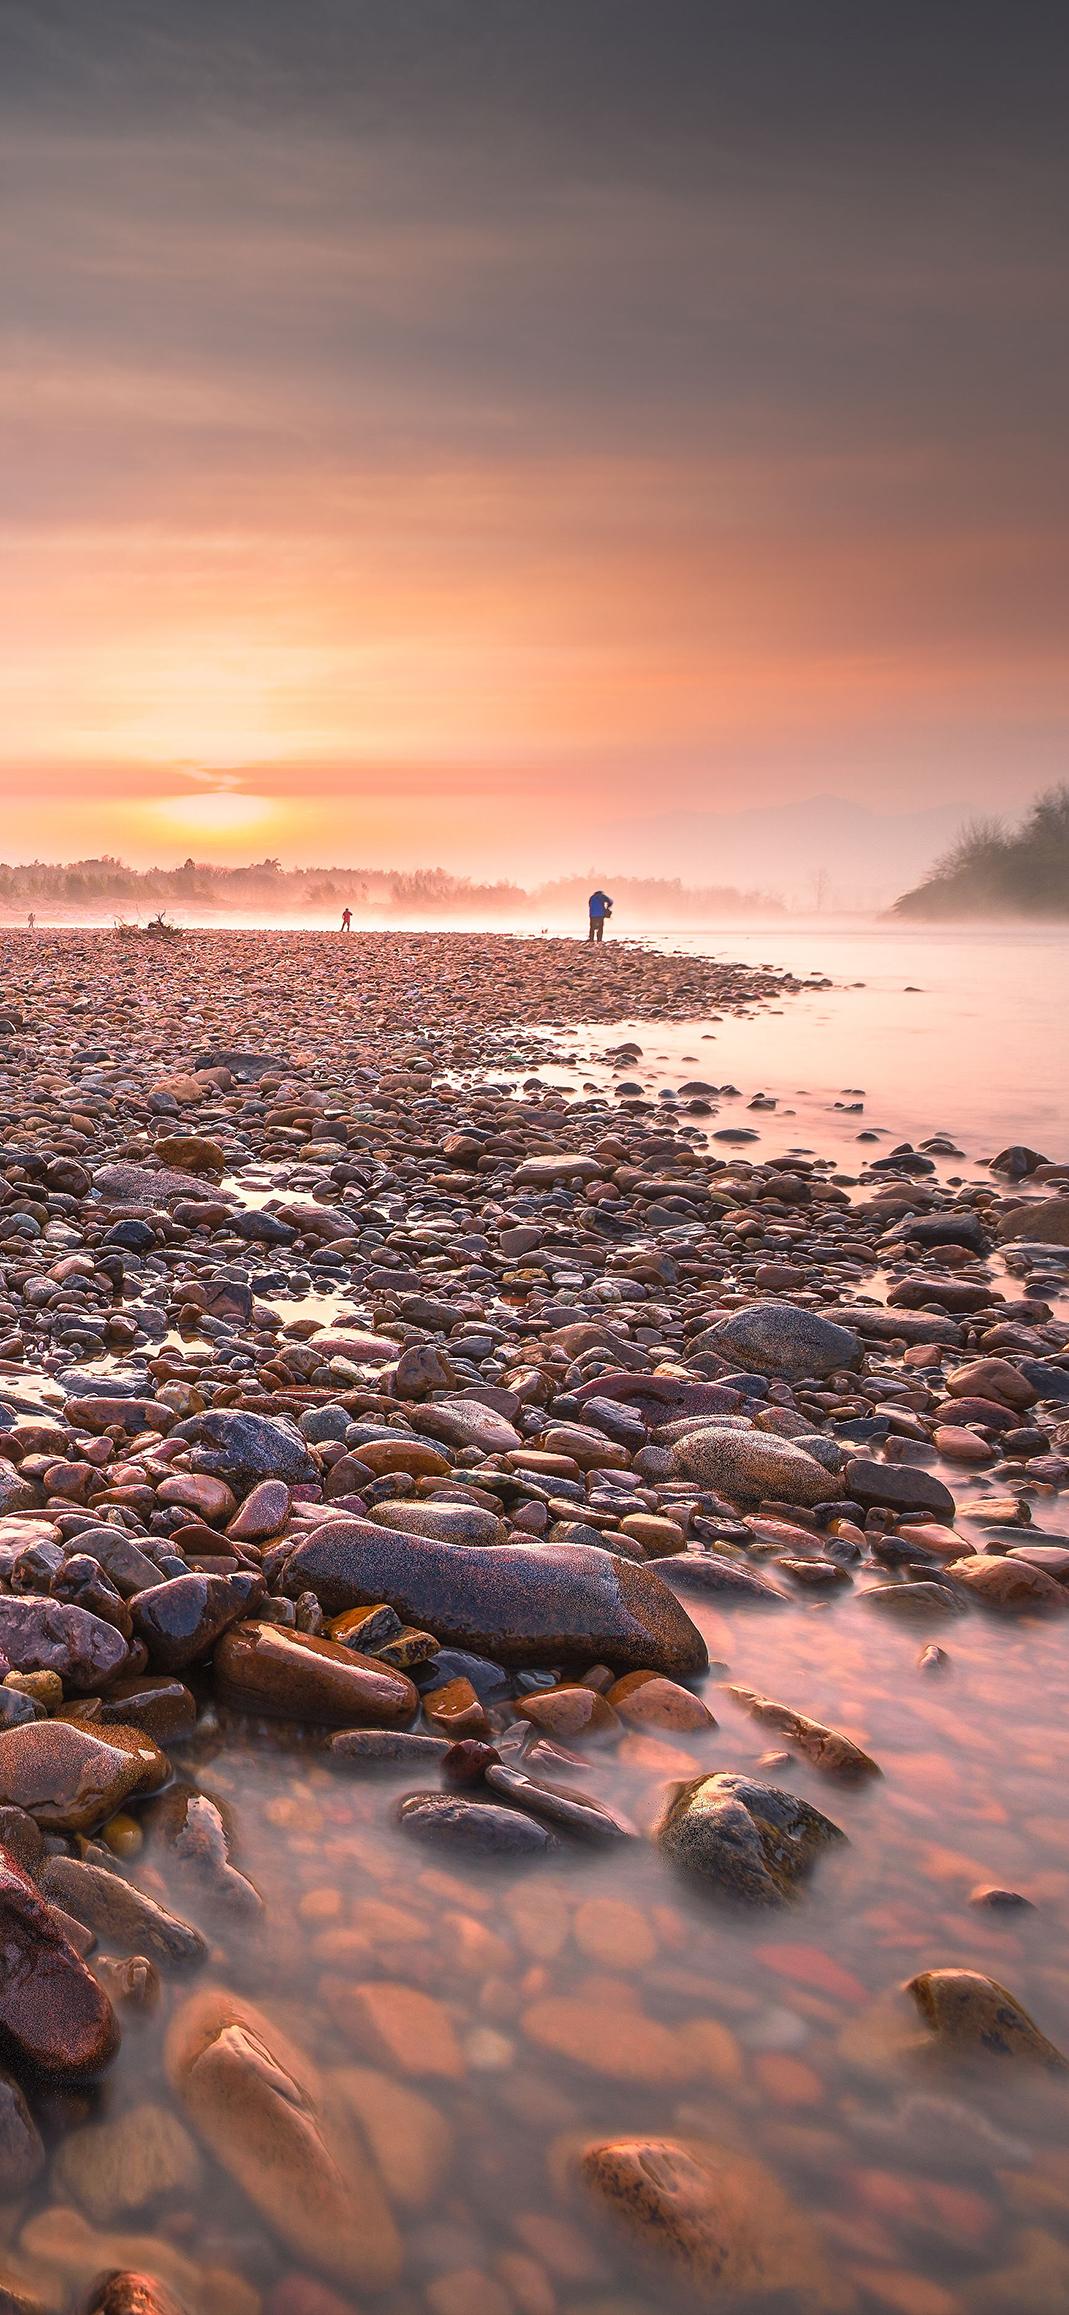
(513, 433)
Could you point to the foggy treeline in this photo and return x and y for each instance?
(108, 884)
(992, 870)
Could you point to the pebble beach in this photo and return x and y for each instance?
(533, 1648)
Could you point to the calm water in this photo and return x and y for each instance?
(602, 1998)
(966, 1032)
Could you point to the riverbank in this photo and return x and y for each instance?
(532, 1617)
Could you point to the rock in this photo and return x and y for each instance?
(439, 1522)
(1043, 1220)
(559, 1805)
(111, 2169)
(972, 2015)
(259, 2106)
(386, 1748)
(192, 1153)
(423, 1368)
(749, 1841)
(22, 2155)
(752, 1467)
(462, 1827)
(900, 1487)
(514, 1602)
(467, 1423)
(180, 1620)
(827, 1748)
(126, 1184)
(124, 2293)
(992, 1378)
(570, 1713)
(263, 1514)
(560, 1166)
(454, 1710)
(119, 1913)
(999, 1582)
(70, 1778)
(647, 1700)
(43, 1635)
(157, 1702)
(253, 1446)
(54, 2017)
(409, 2140)
(777, 1338)
(715, 2217)
(297, 1676)
(920, 1601)
(712, 1575)
(194, 1831)
(401, 2027)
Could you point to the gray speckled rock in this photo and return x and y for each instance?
(747, 1840)
(778, 1338)
(515, 1602)
(255, 1446)
(752, 1467)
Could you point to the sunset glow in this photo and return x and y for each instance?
(492, 471)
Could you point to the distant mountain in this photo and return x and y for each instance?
(991, 870)
(821, 852)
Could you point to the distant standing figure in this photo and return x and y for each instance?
(347, 920)
(30, 921)
(600, 908)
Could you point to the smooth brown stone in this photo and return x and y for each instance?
(70, 1778)
(1009, 1583)
(827, 1748)
(975, 2016)
(118, 1912)
(297, 1676)
(260, 2107)
(54, 2017)
(157, 1702)
(263, 1514)
(454, 1710)
(571, 1713)
(716, 2217)
(648, 1700)
(513, 1602)
(180, 1620)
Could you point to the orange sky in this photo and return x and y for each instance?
(416, 480)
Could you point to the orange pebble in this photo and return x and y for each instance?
(713, 2050)
(788, 2081)
(807, 1965)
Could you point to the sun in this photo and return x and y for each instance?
(219, 812)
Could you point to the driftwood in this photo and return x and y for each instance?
(157, 928)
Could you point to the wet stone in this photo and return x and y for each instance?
(747, 1841)
(456, 1825)
(297, 1676)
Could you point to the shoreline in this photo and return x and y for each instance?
(395, 1448)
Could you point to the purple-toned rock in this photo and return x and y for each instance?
(515, 1603)
(263, 1514)
(180, 1621)
(38, 1634)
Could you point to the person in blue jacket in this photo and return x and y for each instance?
(600, 908)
